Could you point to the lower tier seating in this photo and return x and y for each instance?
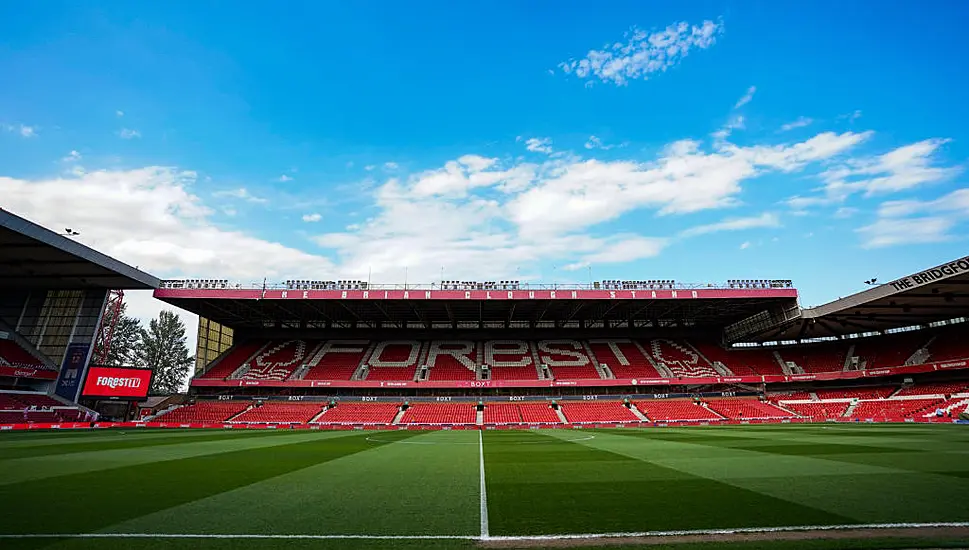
(743, 409)
(205, 411)
(360, 413)
(439, 413)
(819, 410)
(281, 412)
(895, 409)
(676, 410)
(597, 411)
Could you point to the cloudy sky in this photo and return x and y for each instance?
(823, 141)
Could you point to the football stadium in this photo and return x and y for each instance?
(465, 414)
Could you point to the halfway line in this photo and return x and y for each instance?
(484, 489)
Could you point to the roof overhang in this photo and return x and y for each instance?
(34, 257)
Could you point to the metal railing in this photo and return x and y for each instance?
(747, 284)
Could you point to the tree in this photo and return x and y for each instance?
(125, 340)
(164, 350)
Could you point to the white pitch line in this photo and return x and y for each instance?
(643, 534)
(484, 489)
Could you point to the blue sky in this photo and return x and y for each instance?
(823, 141)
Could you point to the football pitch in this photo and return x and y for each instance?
(300, 489)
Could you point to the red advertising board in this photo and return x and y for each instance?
(117, 383)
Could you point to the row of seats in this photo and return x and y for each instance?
(19, 401)
(566, 359)
(13, 355)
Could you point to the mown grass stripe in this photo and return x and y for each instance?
(114, 495)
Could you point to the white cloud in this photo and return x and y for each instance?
(851, 117)
(596, 143)
(539, 145)
(904, 168)
(22, 129)
(845, 212)
(152, 219)
(391, 165)
(746, 98)
(643, 53)
(891, 232)
(735, 123)
(799, 123)
(241, 193)
(127, 133)
(284, 178)
(119, 114)
(369, 167)
(767, 219)
(955, 202)
(314, 217)
(73, 156)
(745, 245)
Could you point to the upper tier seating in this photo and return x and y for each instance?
(336, 360)
(623, 358)
(281, 412)
(394, 360)
(814, 358)
(950, 344)
(567, 359)
(675, 410)
(819, 410)
(280, 359)
(232, 360)
(888, 351)
(856, 393)
(745, 409)
(679, 358)
(359, 413)
(452, 360)
(12, 354)
(597, 411)
(510, 360)
(205, 411)
(939, 388)
(895, 409)
(742, 362)
(439, 413)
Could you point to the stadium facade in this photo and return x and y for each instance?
(338, 354)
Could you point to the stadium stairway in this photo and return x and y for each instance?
(561, 415)
(398, 416)
(479, 418)
(638, 413)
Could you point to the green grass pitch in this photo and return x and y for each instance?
(429, 483)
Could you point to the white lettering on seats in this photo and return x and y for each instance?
(337, 346)
(515, 348)
(614, 348)
(551, 352)
(398, 360)
(461, 351)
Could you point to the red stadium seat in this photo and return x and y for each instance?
(439, 413)
(281, 412)
(578, 412)
(204, 411)
(336, 360)
(624, 359)
(675, 410)
(359, 413)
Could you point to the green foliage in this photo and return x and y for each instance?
(164, 350)
(124, 340)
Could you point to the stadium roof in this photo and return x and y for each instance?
(32, 256)
(936, 294)
(416, 308)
